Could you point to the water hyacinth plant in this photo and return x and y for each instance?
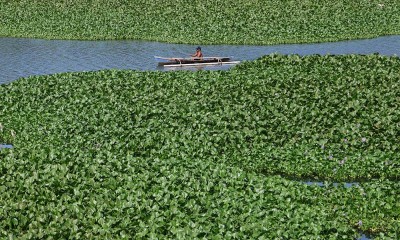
(128, 154)
(205, 22)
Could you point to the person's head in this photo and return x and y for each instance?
(198, 49)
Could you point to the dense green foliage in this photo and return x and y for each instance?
(198, 21)
(205, 154)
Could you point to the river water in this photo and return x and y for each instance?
(23, 57)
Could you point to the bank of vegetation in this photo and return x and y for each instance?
(115, 154)
(205, 22)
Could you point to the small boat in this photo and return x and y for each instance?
(182, 62)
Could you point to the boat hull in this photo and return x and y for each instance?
(181, 62)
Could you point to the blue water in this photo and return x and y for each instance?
(5, 146)
(335, 184)
(364, 237)
(23, 57)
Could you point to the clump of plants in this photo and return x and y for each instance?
(122, 154)
(205, 22)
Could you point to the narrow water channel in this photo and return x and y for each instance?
(335, 184)
(23, 57)
(5, 146)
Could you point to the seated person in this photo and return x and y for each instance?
(198, 54)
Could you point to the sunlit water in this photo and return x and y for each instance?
(23, 57)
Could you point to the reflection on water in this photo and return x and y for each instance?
(22, 57)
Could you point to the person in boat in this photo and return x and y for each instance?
(198, 54)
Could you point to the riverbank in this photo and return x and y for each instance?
(201, 22)
(202, 154)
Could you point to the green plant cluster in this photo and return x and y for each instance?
(208, 154)
(198, 21)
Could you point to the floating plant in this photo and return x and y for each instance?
(129, 154)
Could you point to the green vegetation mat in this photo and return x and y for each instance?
(199, 21)
(208, 154)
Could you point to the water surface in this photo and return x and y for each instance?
(335, 184)
(5, 146)
(23, 57)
